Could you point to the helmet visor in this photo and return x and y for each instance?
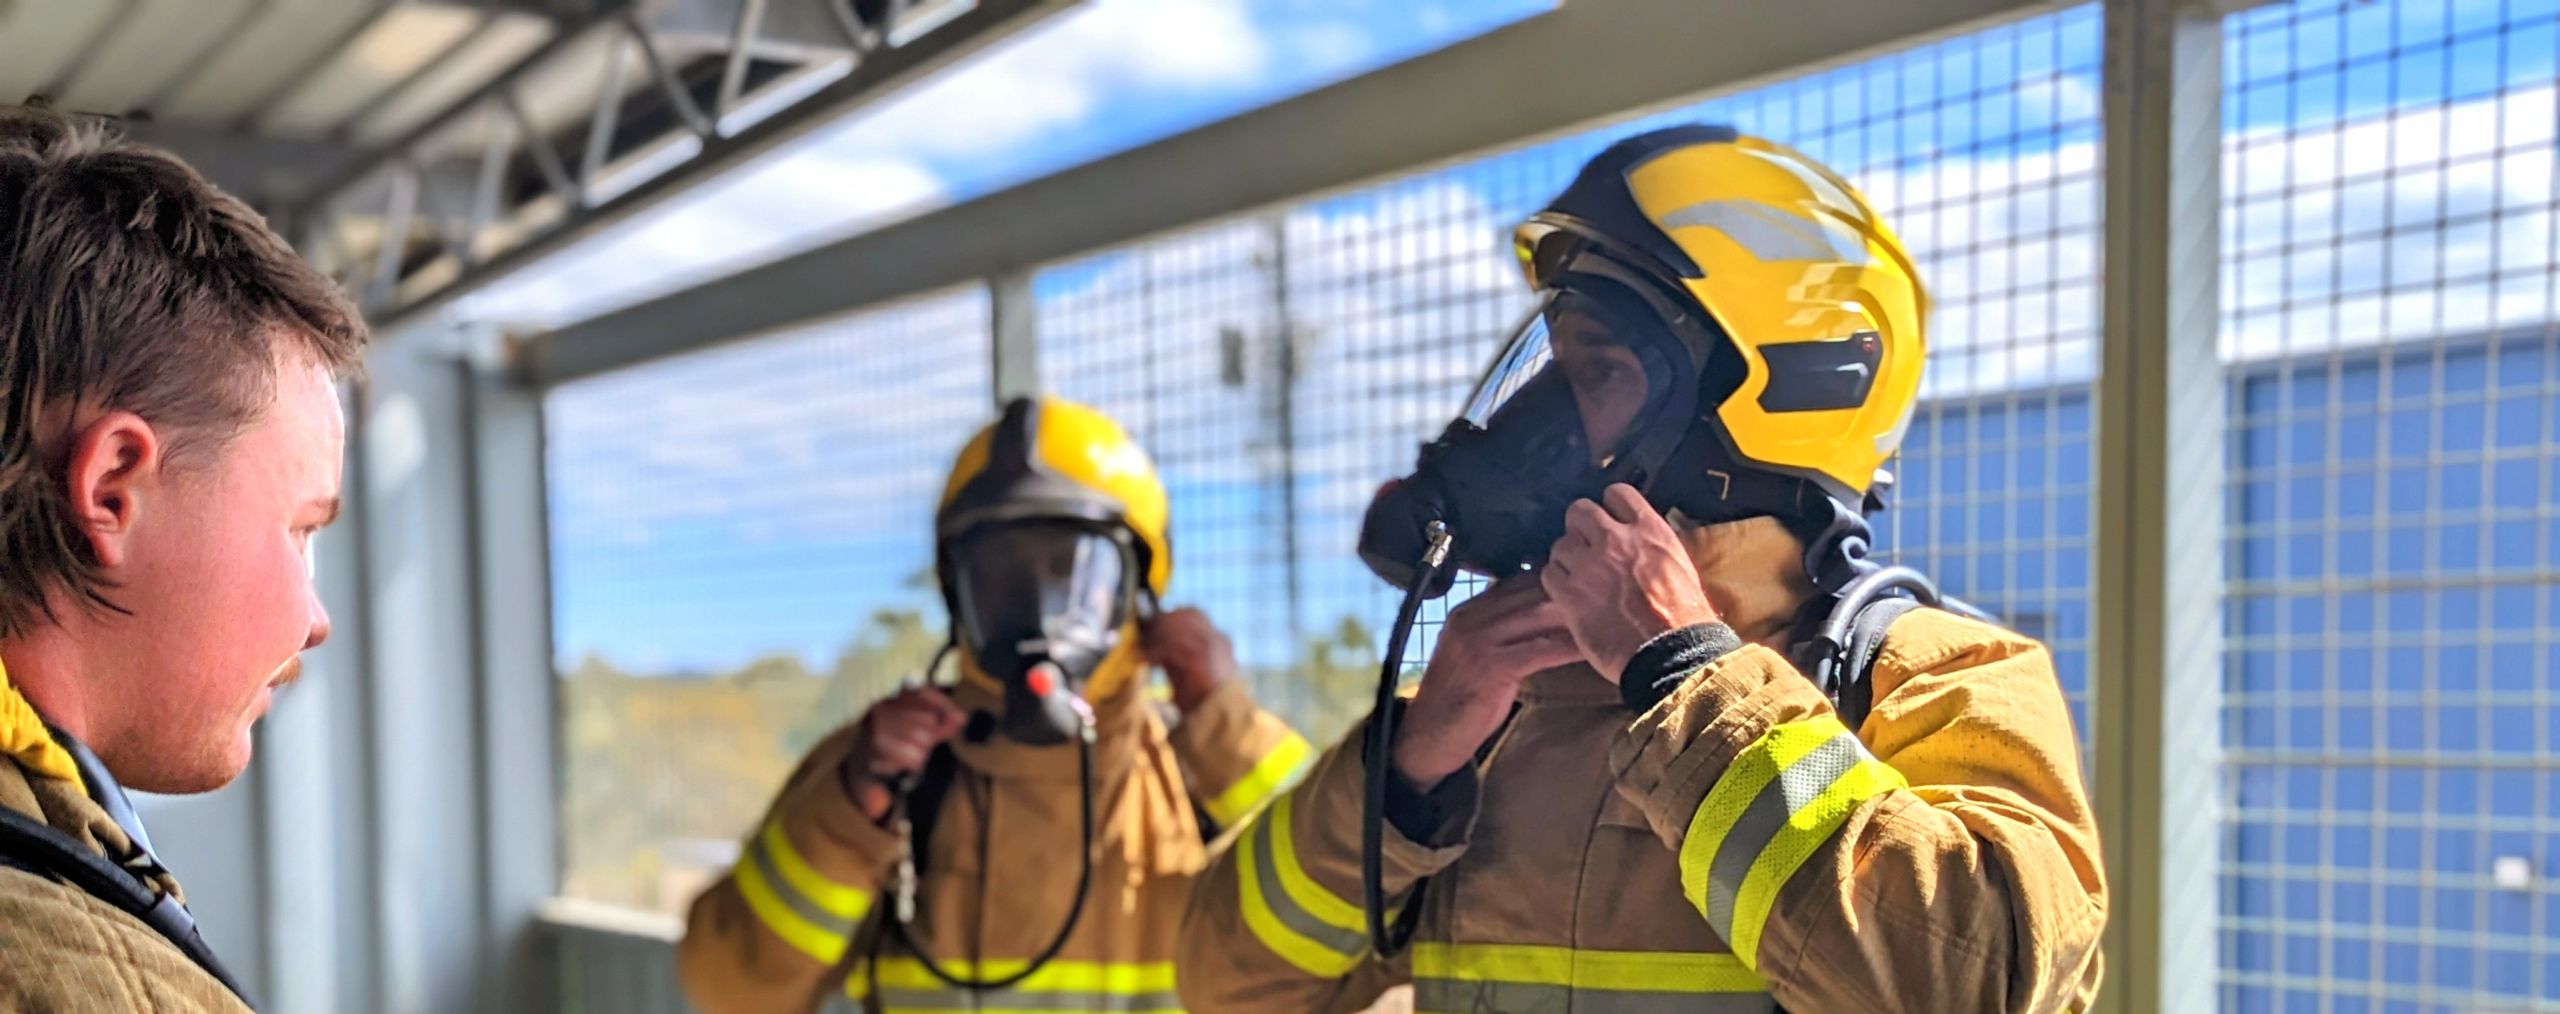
(1584, 367)
(1033, 589)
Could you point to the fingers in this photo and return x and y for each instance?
(1182, 627)
(895, 750)
(1547, 650)
(945, 713)
(1585, 520)
(873, 798)
(924, 711)
(1528, 619)
(1625, 504)
(1511, 590)
(891, 756)
(902, 741)
(1173, 623)
(1499, 604)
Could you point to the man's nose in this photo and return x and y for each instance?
(319, 623)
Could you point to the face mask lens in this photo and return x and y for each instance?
(1574, 367)
(1527, 357)
(1058, 583)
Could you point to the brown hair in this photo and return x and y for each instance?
(128, 282)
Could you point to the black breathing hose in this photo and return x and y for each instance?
(1386, 940)
(1829, 665)
(905, 910)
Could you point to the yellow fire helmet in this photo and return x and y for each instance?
(1721, 323)
(1049, 531)
(1812, 367)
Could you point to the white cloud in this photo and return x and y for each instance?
(2431, 222)
(1058, 74)
(840, 429)
(1328, 44)
(751, 216)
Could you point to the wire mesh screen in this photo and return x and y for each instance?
(1281, 368)
(2389, 272)
(741, 544)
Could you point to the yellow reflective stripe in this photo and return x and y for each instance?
(1805, 831)
(1101, 978)
(987, 1008)
(842, 900)
(777, 915)
(1303, 889)
(1626, 971)
(1268, 849)
(1742, 781)
(1277, 768)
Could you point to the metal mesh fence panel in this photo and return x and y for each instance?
(2388, 307)
(741, 543)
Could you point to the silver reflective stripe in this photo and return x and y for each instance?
(1761, 821)
(1456, 995)
(1806, 232)
(1464, 996)
(1765, 236)
(800, 904)
(1846, 244)
(1266, 874)
(1009, 1000)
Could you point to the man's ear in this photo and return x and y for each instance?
(113, 464)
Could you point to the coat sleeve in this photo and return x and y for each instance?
(1943, 858)
(1238, 756)
(1275, 924)
(770, 935)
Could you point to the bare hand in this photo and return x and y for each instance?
(1194, 654)
(1490, 644)
(898, 734)
(1623, 578)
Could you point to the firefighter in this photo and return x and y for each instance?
(1619, 786)
(1026, 840)
(170, 439)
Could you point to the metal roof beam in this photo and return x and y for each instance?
(877, 73)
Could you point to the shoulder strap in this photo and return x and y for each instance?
(30, 845)
(1866, 641)
(924, 801)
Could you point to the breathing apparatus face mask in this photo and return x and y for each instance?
(1038, 605)
(1595, 387)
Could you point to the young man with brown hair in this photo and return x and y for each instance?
(170, 441)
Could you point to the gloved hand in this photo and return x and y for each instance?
(1622, 578)
(1490, 644)
(1194, 654)
(897, 735)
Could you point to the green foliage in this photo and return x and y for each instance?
(1331, 686)
(663, 774)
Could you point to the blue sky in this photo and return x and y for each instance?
(689, 536)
